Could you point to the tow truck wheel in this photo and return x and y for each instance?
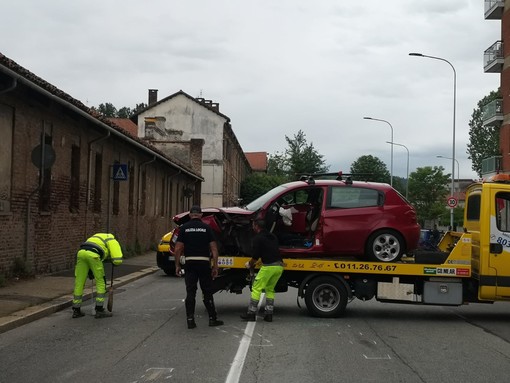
(326, 297)
(385, 246)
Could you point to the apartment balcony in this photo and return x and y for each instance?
(491, 166)
(494, 9)
(492, 113)
(493, 58)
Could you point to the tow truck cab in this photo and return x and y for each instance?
(487, 219)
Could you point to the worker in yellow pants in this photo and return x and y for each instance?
(99, 248)
(265, 247)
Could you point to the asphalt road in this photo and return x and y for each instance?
(147, 341)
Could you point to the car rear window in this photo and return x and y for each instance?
(348, 197)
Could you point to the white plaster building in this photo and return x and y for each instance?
(175, 123)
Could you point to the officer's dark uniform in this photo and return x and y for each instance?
(196, 237)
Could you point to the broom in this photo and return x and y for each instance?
(110, 294)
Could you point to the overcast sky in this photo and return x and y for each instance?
(276, 67)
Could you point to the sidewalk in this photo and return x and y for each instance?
(27, 300)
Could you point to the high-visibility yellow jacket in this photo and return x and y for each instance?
(106, 246)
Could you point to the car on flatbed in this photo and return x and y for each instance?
(317, 217)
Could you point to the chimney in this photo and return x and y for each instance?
(153, 96)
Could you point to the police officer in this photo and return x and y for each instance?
(197, 243)
(99, 248)
(265, 247)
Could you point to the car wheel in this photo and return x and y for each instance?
(385, 246)
(164, 263)
(170, 269)
(326, 297)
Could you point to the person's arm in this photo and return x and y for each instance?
(256, 251)
(179, 248)
(115, 251)
(213, 246)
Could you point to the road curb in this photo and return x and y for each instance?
(32, 313)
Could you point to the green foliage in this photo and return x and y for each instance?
(138, 108)
(370, 168)
(257, 184)
(483, 140)
(458, 216)
(299, 158)
(124, 112)
(399, 183)
(428, 189)
(109, 110)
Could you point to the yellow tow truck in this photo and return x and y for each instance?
(470, 266)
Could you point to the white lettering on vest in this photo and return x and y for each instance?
(195, 229)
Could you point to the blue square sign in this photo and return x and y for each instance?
(120, 172)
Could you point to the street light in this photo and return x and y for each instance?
(458, 169)
(454, 107)
(391, 160)
(407, 179)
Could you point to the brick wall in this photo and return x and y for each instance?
(48, 240)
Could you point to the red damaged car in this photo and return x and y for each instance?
(320, 217)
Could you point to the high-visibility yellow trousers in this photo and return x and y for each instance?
(88, 260)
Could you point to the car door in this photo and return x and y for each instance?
(499, 249)
(350, 216)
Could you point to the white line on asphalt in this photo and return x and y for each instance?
(237, 365)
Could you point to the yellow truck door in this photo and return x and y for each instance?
(499, 241)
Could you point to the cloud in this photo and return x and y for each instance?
(276, 67)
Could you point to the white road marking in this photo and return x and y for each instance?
(387, 357)
(237, 365)
(236, 368)
(155, 373)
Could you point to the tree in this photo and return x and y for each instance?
(428, 188)
(124, 112)
(138, 108)
(483, 139)
(370, 168)
(299, 158)
(257, 184)
(399, 183)
(107, 110)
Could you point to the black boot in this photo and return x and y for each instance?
(100, 313)
(249, 316)
(77, 312)
(213, 322)
(211, 310)
(191, 323)
(268, 318)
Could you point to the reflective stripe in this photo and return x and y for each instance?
(197, 258)
(101, 239)
(77, 300)
(100, 299)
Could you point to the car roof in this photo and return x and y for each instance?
(330, 182)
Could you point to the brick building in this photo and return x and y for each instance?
(497, 112)
(57, 161)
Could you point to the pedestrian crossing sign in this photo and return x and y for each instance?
(120, 172)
